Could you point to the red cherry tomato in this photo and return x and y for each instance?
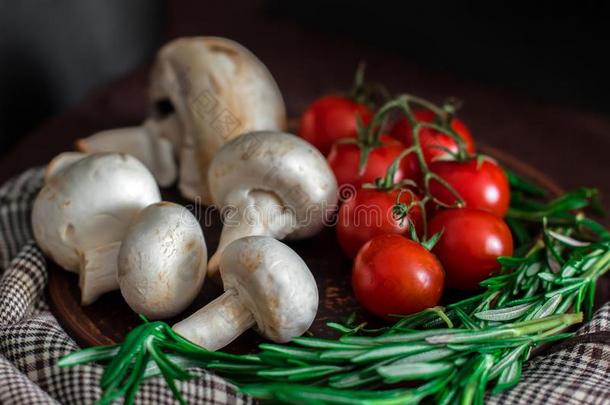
(433, 141)
(369, 213)
(470, 244)
(483, 186)
(330, 118)
(344, 159)
(394, 275)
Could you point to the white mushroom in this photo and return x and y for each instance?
(273, 184)
(203, 92)
(267, 285)
(162, 261)
(84, 209)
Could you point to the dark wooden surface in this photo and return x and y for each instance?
(568, 145)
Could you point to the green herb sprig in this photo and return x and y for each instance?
(458, 353)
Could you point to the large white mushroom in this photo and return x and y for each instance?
(270, 183)
(162, 261)
(81, 214)
(203, 92)
(267, 286)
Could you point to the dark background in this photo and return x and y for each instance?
(52, 53)
(533, 76)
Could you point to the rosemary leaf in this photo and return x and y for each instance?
(414, 371)
(89, 355)
(504, 314)
(390, 351)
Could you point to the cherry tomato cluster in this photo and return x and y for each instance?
(426, 212)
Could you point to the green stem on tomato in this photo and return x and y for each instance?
(446, 129)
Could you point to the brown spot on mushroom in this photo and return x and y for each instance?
(67, 203)
(252, 263)
(69, 231)
(190, 245)
(274, 303)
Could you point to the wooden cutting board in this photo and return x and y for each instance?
(109, 319)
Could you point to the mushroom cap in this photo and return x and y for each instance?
(234, 78)
(219, 90)
(89, 203)
(279, 163)
(274, 283)
(162, 261)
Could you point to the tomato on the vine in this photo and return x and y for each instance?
(470, 245)
(434, 143)
(395, 275)
(481, 184)
(331, 118)
(344, 160)
(370, 213)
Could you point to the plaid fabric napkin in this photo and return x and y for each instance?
(31, 340)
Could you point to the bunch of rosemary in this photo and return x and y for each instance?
(452, 354)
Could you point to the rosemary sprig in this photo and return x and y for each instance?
(455, 353)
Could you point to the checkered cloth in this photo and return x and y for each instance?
(31, 340)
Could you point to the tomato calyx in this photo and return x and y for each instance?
(401, 212)
(431, 242)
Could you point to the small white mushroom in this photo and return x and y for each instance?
(83, 210)
(162, 261)
(273, 184)
(203, 92)
(267, 286)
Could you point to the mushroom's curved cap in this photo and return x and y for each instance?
(219, 90)
(89, 203)
(279, 163)
(274, 283)
(162, 261)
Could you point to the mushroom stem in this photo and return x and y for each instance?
(98, 272)
(152, 143)
(189, 179)
(218, 323)
(253, 213)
